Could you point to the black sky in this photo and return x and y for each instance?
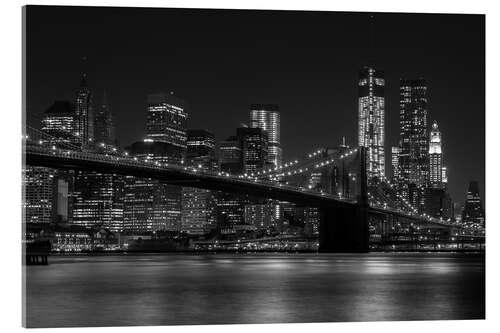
(307, 62)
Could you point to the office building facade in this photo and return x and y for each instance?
(167, 121)
(199, 205)
(414, 138)
(267, 117)
(253, 143)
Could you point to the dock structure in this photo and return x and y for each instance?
(37, 253)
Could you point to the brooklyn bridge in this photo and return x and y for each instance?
(351, 208)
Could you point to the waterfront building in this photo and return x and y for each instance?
(98, 200)
(150, 205)
(230, 207)
(311, 221)
(414, 138)
(267, 117)
(262, 215)
(198, 213)
(63, 204)
(230, 212)
(38, 201)
(371, 120)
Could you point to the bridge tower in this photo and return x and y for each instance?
(344, 229)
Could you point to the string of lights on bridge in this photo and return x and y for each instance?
(273, 174)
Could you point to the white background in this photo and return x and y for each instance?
(10, 158)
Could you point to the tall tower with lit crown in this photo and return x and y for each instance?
(371, 120)
(435, 157)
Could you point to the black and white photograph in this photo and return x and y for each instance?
(197, 166)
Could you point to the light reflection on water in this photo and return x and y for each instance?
(226, 288)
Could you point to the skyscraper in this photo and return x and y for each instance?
(231, 156)
(198, 214)
(150, 205)
(84, 114)
(267, 117)
(38, 186)
(104, 130)
(473, 213)
(98, 200)
(254, 145)
(59, 123)
(371, 119)
(435, 157)
(414, 138)
(46, 189)
(167, 121)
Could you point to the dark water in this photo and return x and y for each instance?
(225, 288)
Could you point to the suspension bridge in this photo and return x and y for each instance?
(349, 208)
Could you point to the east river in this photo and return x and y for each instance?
(160, 289)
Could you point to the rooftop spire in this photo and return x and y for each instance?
(83, 79)
(435, 126)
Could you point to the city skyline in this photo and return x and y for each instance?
(200, 158)
(129, 110)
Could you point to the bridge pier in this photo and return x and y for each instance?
(344, 230)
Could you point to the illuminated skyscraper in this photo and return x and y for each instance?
(98, 200)
(435, 157)
(84, 114)
(414, 138)
(267, 117)
(150, 205)
(167, 121)
(46, 190)
(198, 214)
(59, 123)
(371, 119)
(38, 188)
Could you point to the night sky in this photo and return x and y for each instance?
(307, 62)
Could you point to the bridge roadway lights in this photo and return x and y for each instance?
(344, 230)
